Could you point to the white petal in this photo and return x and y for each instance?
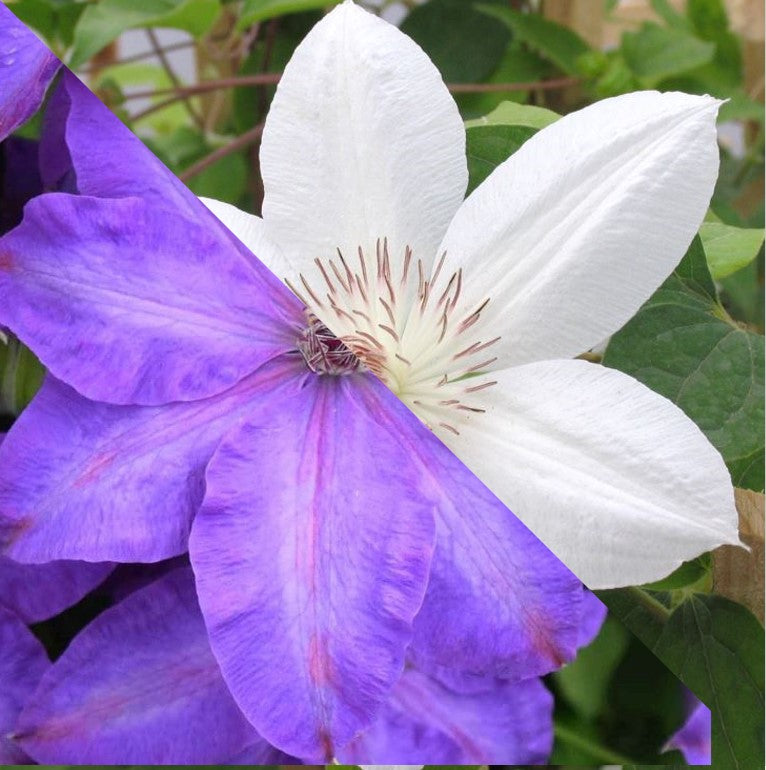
(362, 141)
(612, 477)
(574, 231)
(250, 229)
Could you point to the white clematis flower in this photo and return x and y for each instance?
(363, 160)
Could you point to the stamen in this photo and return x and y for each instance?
(318, 263)
(408, 340)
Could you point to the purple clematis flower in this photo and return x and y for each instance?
(22, 664)
(332, 535)
(36, 592)
(693, 739)
(141, 685)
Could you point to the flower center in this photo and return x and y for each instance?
(407, 327)
(323, 352)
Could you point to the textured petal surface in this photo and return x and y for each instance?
(311, 552)
(138, 686)
(26, 68)
(36, 592)
(362, 141)
(573, 233)
(84, 148)
(693, 739)
(22, 664)
(505, 723)
(129, 304)
(84, 480)
(615, 479)
(498, 601)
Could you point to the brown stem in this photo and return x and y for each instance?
(165, 62)
(271, 78)
(253, 135)
(139, 56)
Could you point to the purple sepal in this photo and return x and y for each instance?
(95, 482)
(424, 721)
(311, 553)
(148, 307)
(85, 148)
(35, 592)
(22, 664)
(693, 740)
(138, 686)
(499, 603)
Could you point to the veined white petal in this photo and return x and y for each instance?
(574, 232)
(362, 141)
(612, 477)
(251, 231)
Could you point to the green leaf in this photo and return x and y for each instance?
(554, 42)
(513, 114)
(670, 15)
(715, 647)
(53, 19)
(728, 248)
(225, 180)
(683, 345)
(708, 17)
(655, 52)
(104, 21)
(488, 146)
(493, 138)
(465, 45)
(741, 107)
(518, 65)
(688, 574)
(21, 376)
(585, 680)
(38, 14)
(260, 10)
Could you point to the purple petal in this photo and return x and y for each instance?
(22, 664)
(91, 481)
(311, 553)
(499, 602)
(83, 137)
(36, 592)
(693, 739)
(138, 686)
(26, 69)
(20, 180)
(505, 723)
(593, 616)
(129, 304)
(85, 148)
